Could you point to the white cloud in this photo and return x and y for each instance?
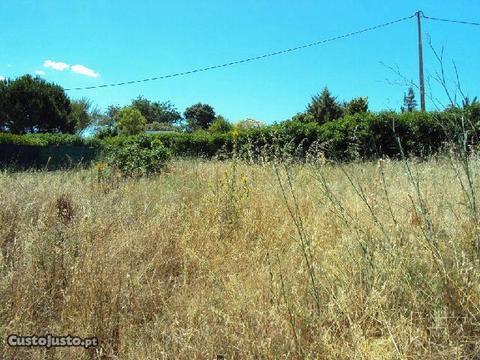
(1, 78)
(60, 66)
(83, 70)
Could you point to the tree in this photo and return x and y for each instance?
(199, 116)
(220, 125)
(409, 102)
(357, 106)
(106, 124)
(111, 114)
(324, 108)
(3, 118)
(84, 114)
(130, 121)
(160, 112)
(30, 105)
(249, 124)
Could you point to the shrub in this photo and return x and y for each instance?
(362, 135)
(137, 156)
(130, 121)
(248, 124)
(47, 139)
(157, 126)
(104, 132)
(220, 125)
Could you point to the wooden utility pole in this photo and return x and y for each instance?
(420, 61)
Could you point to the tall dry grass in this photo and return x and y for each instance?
(271, 260)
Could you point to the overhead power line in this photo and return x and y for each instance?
(451, 21)
(280, 52)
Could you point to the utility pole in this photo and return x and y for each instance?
(420, 61)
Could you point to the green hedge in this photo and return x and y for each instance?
(49, 157)
(48, 139)
(49, 151)
(366, 135)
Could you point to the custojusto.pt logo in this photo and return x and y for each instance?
(49, 341)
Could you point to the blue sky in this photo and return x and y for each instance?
(114, 41)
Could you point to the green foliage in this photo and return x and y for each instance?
(356, 106)
(46, 139)
(84, 114)
(304, 117)
(469, 108)
(248, 124)
(220, 125)
(47, 151)
(106, 132)
(324, 108)
(137, 156)
(156, 126)
(473, 112)
(361, 135)
(199, 116)
(130, 121)
(109, 118)
(30, 105)
(79, 114)
(409, 102)
(157, 112)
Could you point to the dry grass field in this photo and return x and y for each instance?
(375, 260)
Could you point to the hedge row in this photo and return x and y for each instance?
(49, 157)
(48, 139)
(48, 151)
(363, 135)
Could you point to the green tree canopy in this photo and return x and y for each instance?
(154, 111)
(324, 108)
(84, 114)
(409, 102)
(249, 124)
(30, 105)
(199, 116)
(130, 121)
(356, 106)
(220, 125)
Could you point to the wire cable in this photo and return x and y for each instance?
(280, 52)
(451, 21)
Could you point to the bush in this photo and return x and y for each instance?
(362, 135)
(47, 151)
(47, 139)
(130, 121)
(248, 124)
(157, 126)
(137, 156)
(220, 125)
